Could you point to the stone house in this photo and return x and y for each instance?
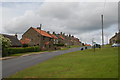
(55, 38)
(36, 36)
(115, 38)
(46, 40)
(61, 39)
(68, 40)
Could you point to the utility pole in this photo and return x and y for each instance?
(102, 31)
(41, 36)
(93, 44)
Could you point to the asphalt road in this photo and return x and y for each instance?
(11, 66)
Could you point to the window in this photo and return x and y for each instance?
(49, 46)
(43, 37)
(38, 35)
(49, 39)
(45, 45)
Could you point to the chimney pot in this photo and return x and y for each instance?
(39, 27)
(16, 35)
(48, 32)
(61, 33)
(53, 32)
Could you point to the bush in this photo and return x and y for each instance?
(25, 45)
(9, 51)
(59, 44)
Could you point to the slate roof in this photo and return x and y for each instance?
(43, 33)
(14, 40)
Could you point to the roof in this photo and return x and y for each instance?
(55, 37)
(43, 33)
(61, 37)
(14, 40)
(25, 41)
(87, 45)
(116, 35)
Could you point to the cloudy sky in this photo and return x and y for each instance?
(81, 19)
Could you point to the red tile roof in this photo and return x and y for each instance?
(54, 36)
(25, 41)
(87, 45)
(43, 32)
(61, 37)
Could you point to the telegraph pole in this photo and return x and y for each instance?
(40, 36)
(102, 31)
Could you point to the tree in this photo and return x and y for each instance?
(4, 42)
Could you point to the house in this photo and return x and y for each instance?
(55, 40)
(68, 40)
(115, 38)
(46, 40)
(14, 40)
(36, 36)
(61, 39)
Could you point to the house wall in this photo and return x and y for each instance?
(33, 36)
(37, 39)
(115, 39)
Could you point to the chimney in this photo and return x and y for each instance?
(48, 32)
(61, 33)
(16, 35)
(69, 35)
(53, 32)
(39, 27)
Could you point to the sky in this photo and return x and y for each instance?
(79, 18)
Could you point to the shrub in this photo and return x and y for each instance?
(25, 45)
(9, 51)
(59, 44)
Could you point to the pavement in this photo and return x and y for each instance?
(12, 65)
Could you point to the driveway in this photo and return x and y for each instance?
(11, 66)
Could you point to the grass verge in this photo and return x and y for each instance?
(103, 63)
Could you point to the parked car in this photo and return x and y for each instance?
(116, 45)
(96, 46)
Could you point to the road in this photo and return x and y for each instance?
(11, 66)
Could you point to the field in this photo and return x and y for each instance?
(103, 63)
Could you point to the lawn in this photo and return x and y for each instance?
(103, 63)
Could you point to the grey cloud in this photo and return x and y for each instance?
(71, 18)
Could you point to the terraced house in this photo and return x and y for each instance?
(46, 40)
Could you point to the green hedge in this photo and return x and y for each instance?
(9, 51)
(59, 44)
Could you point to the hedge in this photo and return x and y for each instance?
(59, 44)
(9, 51)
